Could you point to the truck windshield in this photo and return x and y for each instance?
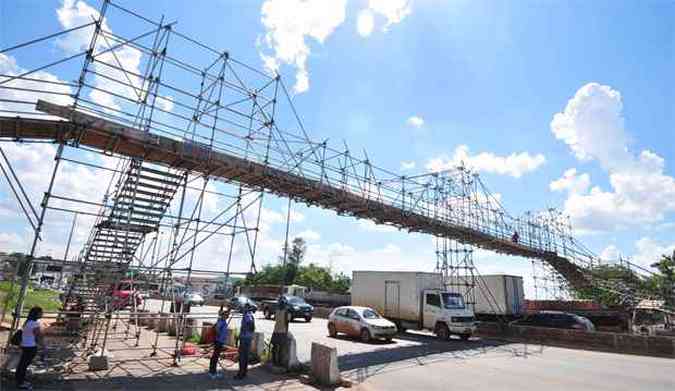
(452, 301)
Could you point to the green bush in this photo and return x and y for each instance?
(45, 298)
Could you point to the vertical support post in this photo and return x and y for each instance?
(65, 255)
(174, 253)
(29, 267)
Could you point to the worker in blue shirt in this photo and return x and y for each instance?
(245, 337)
(219, 343)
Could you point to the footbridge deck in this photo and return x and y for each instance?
(83, 129)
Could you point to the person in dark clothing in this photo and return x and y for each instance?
(31, 337)
(245, 337)
(219, 343)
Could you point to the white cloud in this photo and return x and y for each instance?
(345, 259)
(165, 103)
(75, 13)
(12, 242)
(592, 125)
(309, 235)
(296, 216)
(415, 121)
(45, 80)
(33, 163)
(610, 253)
(649, 251)
(572, 182)
(369, 225)
(289, 23)
(365, 22)
(407, 165)
(394, 11)
(515, 164)
(641, 193)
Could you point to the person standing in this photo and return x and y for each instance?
(245, 337)
(280, 333)
(219, 343)
(31, 337)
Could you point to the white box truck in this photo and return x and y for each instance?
(414, 300)
(494, 294)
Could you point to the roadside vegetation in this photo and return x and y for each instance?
(295, 272)
(658, 285)
(46, 298)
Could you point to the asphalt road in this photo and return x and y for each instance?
(418, 361)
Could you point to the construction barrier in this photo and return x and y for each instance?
(324, 364)
(602, 341)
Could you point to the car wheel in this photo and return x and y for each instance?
(465, 337)
(365, 335)
(388, 339)
(442, 332)
(308, 319)
(331, 330)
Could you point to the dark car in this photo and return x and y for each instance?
(297, 308)
(556, 319)
(237, 304)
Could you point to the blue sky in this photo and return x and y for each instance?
(482, 78)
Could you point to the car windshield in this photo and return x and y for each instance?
(453, 301)
(370, 314)
(295, 300)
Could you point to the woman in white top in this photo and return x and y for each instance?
(31, 337)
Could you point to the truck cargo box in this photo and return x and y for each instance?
(494, 294)
(395, 295)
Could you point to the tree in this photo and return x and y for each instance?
(663, 282)
(620, 276)
(341, 283)
(293, 259)
(293, 272)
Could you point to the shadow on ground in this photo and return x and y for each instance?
(424, 350)
(258, 378)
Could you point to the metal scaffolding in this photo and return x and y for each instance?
(190, 115)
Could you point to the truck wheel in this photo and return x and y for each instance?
(465, 337)
(365, 335)
(331, 330)
(442, 332)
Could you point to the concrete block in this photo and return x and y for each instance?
(162, 325)
(231, 337)
(258, 346)
(142, 318)
(290, 358)
(151, 320)
(660, 346)
(98, 363)
(189, 327)
(172, 327)
(208, 335)
(324, 364)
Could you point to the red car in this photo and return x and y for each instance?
(124, 293)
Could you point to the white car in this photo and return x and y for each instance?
(362, 322)
(192, 298)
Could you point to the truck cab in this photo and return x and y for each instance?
(446, 314)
